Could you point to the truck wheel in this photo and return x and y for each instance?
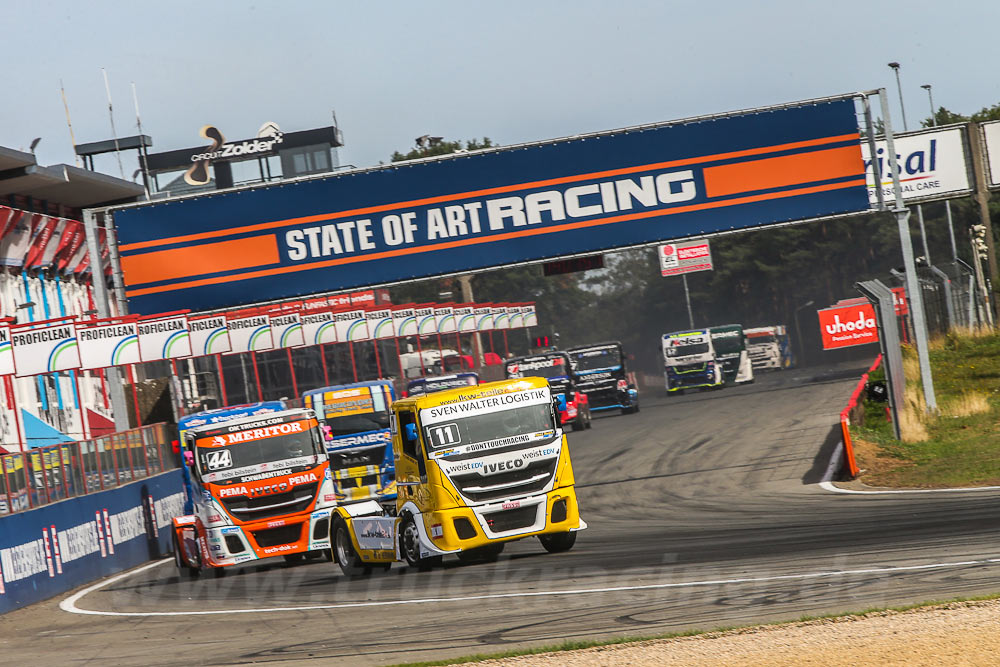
(409, 542)
(182, 567)
(347, 558)
(578, 424)
(556, 542)
(590, 419)
(484, 554)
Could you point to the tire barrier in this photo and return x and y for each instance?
(57, 547)
(854, 406)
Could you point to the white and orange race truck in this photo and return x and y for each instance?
(260, 487)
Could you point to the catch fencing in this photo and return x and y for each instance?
(46, 475)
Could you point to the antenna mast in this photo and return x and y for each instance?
(114, 134)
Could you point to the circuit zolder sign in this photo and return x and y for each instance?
(494, 208)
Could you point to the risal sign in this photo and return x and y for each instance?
(847, 326)
(686, 257)
(931, 165)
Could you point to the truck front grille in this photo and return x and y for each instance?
(530, 479)
(272, 537)
(354, 458)
(247, 509)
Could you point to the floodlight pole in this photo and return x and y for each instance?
(687, 297)
(947, 202)
(101, 300)
(912, 282)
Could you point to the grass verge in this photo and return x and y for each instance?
(579, 645)
(960, 446)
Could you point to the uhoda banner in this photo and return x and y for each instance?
(209, 335)
(495, 207)
(164, 337)
(109, 342)
(250, 333)
(45, 347)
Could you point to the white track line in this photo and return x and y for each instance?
(69, 604)
(829, 486)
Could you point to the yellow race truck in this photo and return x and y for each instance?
(476, 467)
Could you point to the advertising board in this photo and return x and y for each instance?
(319, 328)
(465, 315)
(250, 333)
(685, 257)
(991, 139)
(105, 343)
(164, 337)
(932, 165)
(404, 320)
(352, 325)
(496, 207)
(44, 347)
(209, 335)
(6, 351)
(380, 323)
(845, 326)
(286, 330)
(484, 318)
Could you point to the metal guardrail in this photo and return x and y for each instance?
(46, 475)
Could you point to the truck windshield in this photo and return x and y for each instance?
(686, 350)
(222, 464)
(728, 343)
(530, 422)
(592, 360)
(359, 423)
(762, 340)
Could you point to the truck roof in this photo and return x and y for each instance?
(691, 332)
(228, 414)
(350, 385)
(593, 346)
(472, 392)
(282, 416)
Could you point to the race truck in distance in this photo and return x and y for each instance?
(600, 373)
(476, 468)
(355, 420)
(769, 348)
(428, 385)
(574, 406)
(689, 362)
(731, 351)
(261, 487)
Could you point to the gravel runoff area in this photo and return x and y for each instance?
(960, 633)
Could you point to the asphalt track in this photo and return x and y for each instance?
(704, 511)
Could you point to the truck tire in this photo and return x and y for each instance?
(578, 423)
(485, 554)
(182, 567)
(343, 552)
(590, 419)
(556, 542)
(409, 544)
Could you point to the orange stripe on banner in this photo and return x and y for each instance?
(781, 172)
(201, 259)
(126, 247)
(491, 239)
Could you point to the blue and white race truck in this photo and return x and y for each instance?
(355, 419)
(689, 362)
(428, 385)
(601, 373)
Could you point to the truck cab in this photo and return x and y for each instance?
(731, 350)
(259, 487)
(555, 366)
(769, 348)
(476, 467)
(428, 385)
(601, 373)
(689, 362)
(355, 420)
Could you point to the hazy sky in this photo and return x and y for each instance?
(513, 71)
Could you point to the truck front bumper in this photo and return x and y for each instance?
(232, 545)
(463, 528)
